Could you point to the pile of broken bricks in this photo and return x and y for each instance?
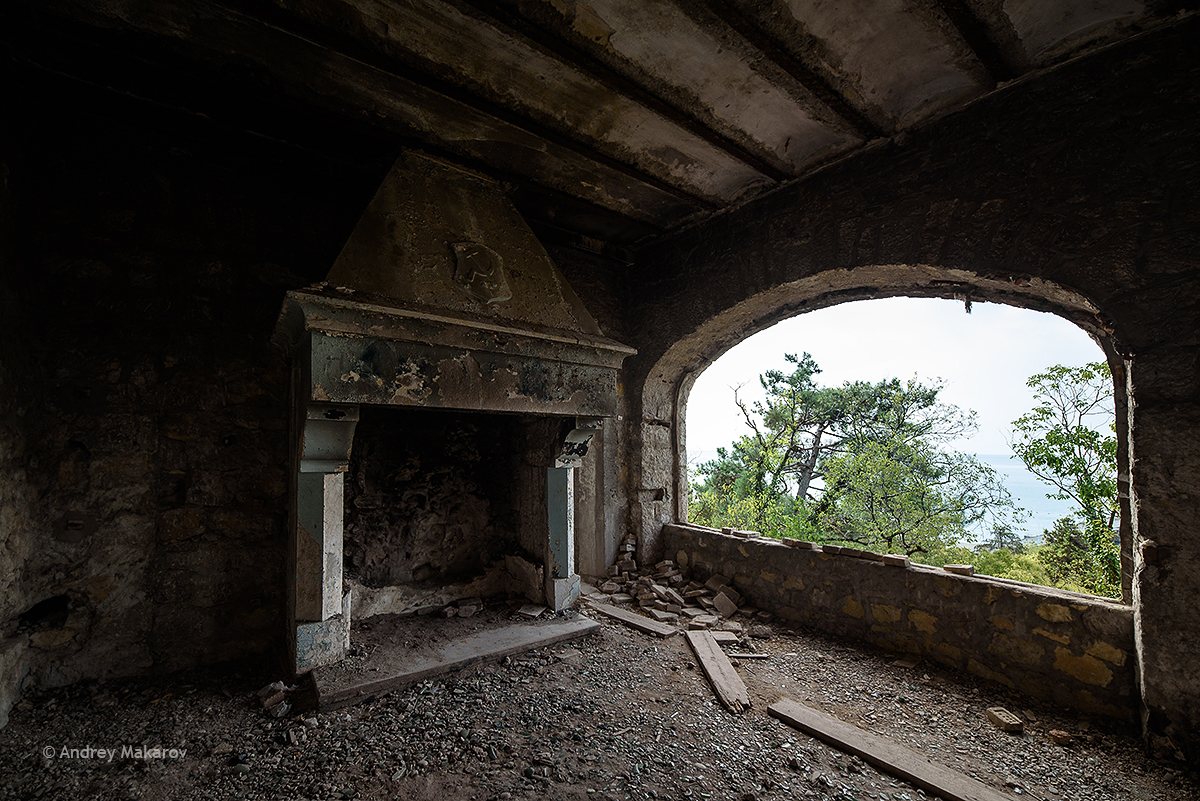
(668, 597)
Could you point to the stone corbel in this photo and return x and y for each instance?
(575, 443)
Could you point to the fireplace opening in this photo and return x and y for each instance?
(441, 505)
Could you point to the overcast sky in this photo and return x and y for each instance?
(984, 358)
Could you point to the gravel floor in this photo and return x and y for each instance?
(613, 716)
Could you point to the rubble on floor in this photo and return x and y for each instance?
(616, 716)
(665, 595)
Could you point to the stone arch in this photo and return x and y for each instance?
(668, 382)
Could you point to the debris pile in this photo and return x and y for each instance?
(274, 698)
(666, 595)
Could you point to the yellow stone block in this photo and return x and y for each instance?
(1087, 668)
(951, 652)
(767, 576)
(922, 621)
(1108, 653)
(1059, 638)
(1054, 613)
(1002, 623)
(977, 668)
(885, 614)
(852, 607)
(947, 586)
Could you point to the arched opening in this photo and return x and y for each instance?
(1030, 639)
(662, 473)
(893, 429)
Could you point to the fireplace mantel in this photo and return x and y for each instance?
(356, 350)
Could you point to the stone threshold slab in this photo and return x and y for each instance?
(335, 691)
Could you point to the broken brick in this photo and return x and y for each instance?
(724, 604)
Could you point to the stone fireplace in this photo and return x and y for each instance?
(446, 381)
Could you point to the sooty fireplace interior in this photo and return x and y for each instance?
(446, 382)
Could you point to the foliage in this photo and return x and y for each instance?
(1003, 539)
(1022, 565)
(867, 464)
(862, 463)
(1061, 441)
(1083, 559)
(909, 496)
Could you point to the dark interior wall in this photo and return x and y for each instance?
(600, 282)
(431, 496)
(1086, 178)
(154, 267)
(16, 394)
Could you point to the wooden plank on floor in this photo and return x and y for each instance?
(884, 754)
(634, 619)
(335, 690)
(726, 683)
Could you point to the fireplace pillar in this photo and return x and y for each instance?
(562, 583)
(321, 612)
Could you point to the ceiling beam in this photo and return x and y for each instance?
(327, 38)
(79, 74)
(519, 25)
(774, 52)
(975, 34)
(209, 38)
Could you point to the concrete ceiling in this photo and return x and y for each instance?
(611, 120)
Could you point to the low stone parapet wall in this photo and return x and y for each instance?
(1062, 647)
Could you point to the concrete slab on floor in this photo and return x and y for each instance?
(395, 665)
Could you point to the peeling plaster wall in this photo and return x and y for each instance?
(156, 455)
(431, 496)
(1061, 647)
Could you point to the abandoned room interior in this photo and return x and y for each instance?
(321, 310)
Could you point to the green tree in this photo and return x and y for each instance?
(1076, 559)
(863, 463)
(1063, 441)
(1003, 538)
(899, 489)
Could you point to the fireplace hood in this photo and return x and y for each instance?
(444, 298)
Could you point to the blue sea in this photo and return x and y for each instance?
(1027, 490)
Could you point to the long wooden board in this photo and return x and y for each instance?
(725, 681)
(885, 754)
(335, 690)
(633, 619)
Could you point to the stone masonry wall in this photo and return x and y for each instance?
(15, 507)
(153, 267)
(1070, 649)
(431, 496)
(1077, 186)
